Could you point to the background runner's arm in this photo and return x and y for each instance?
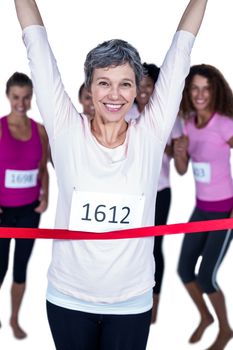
(43, 172)
(180, 153)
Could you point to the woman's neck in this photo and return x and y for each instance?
(17, 120)
(140, 107)
(109, 134)
(202, 118)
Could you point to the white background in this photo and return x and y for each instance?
(75, 27)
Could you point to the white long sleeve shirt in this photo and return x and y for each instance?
(112, 270)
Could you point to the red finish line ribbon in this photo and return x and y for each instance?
(190, 227)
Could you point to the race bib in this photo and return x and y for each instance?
(202, 172)
(21, 178)
(102, 212)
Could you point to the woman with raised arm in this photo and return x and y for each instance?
(100, 292)
(207, 107)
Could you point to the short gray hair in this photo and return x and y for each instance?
(113, 52)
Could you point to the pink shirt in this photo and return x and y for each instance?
(210, 156)
(19, 163)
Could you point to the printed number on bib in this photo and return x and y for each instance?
(101, 212)
(202, 172)
(21, 178)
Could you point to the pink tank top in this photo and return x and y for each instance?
(19, 164)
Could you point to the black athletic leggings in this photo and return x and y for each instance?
(162, 207)
(23, 216)
(76, 330)
(211, 246)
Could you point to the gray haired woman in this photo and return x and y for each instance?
(100, 292)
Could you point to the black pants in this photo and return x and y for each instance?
(76, 330)
(23, 216)
(211, 246)
(162, 207)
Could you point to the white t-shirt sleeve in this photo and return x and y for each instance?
(52, 100)
(163, 107)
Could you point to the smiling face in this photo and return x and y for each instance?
(20, 99)
(146, 88)
(113, 91)
(86, 101)
(201, 94)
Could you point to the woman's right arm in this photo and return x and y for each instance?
(28, 13)
(180, 153)
(54, 104)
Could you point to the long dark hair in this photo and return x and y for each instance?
(222, 96)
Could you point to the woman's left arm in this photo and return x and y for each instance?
(192, 17)
(163, 106)
(43, 172)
